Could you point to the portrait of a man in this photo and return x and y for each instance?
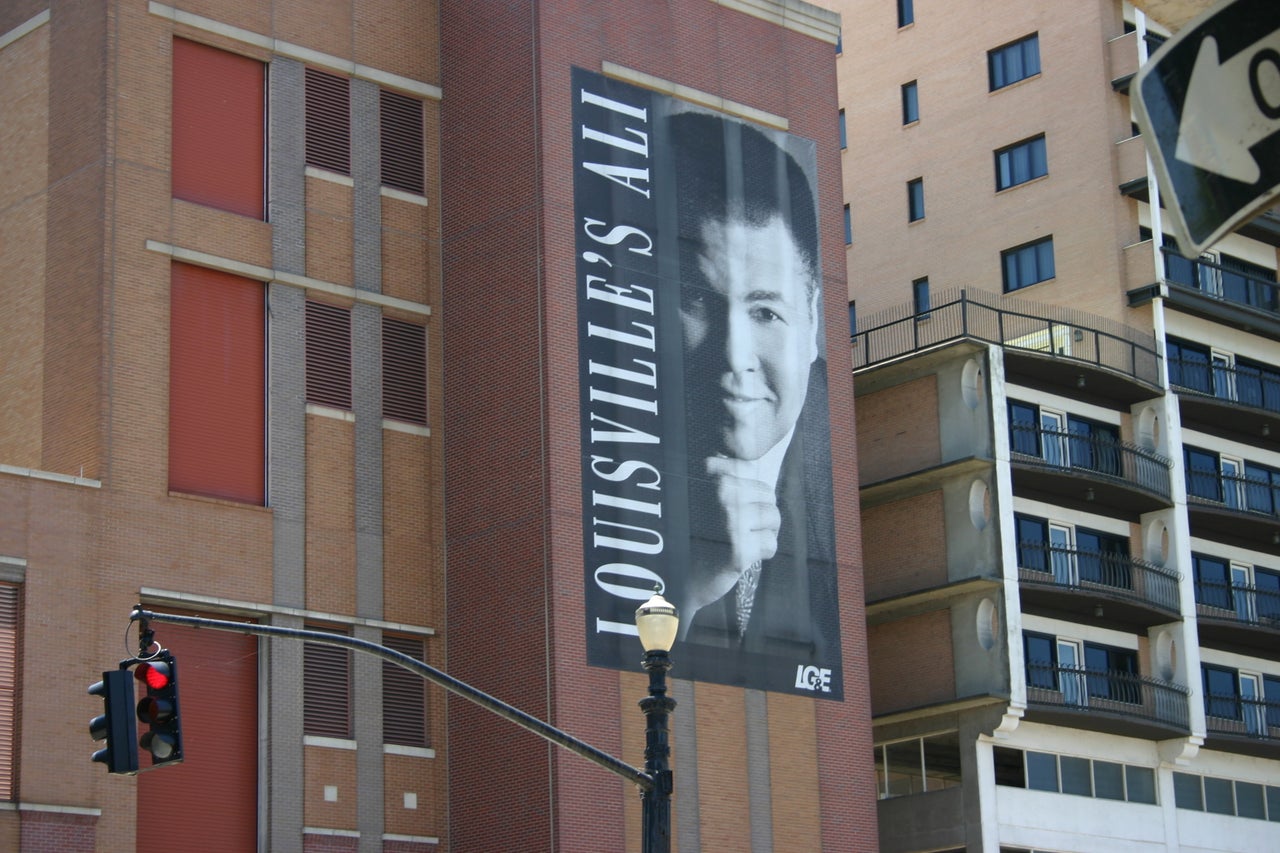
(762, 573)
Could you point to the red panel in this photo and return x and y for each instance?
(210, 801)
(217, 411)
(218, 128)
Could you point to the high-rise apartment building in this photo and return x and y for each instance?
(375, 317)
(1067, 446)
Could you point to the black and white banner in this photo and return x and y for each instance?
(706, 464)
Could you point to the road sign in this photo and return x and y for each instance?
(1208, 104)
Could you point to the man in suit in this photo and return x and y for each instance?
(762, 576)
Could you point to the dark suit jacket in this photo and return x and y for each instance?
(796, 612)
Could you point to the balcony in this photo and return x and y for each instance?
(1233, 508)
(1046, 345)
(1245, 726)
(1094, 473)
(1239, 400)
(1114, 702)
(1132, 593)
(1238, 617)
(1223, 294)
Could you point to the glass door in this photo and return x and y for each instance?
(1232, 482)
(1242, 592)
(1062, 556)
(1071, 673)
(1054, 427)
(1254, 711)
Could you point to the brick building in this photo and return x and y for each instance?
(292, 339)
(1067, 445)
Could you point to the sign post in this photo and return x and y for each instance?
(1208, 105)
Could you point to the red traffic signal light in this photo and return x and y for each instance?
(115, 724)
(159, 709)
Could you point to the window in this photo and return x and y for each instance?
(328, 355)
(1021, 162)
(1204, 479)
(848, 226)
(1024, 266)
(219, 129)
(1063, 440)
(1067, 666)
(1113, 673)
(328, 121)
(1189, 366)
(403, 157)
(326, 690)
(844, 132)
(404, 371)
(915, 199)
(217, 384)
(906, 13)
(918, 765)
(1015, 61)
(10, 600)
(1226, 796)
(920, 297)
(853, 319)
(404, 696)
(1221, 692)
(1067, 774)
(910, 103)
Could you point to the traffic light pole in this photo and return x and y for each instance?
(645, 780)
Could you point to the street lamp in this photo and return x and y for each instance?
(657, 623)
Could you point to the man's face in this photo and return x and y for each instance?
(750, 335)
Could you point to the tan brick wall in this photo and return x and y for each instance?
(722, 768)
(904, 545)
(911, 662)
(330, 238)
(331, 533)
(327, 766)
(412, 580)
(898, 430)
(422, 777)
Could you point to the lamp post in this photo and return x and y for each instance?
(656, 623)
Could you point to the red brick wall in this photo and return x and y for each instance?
(905, 546)
(57, 832)
(911, 662)
(898, 430)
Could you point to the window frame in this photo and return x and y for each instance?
(910, 102)
(1001, 57)
(915, 199)
(1021, 162)
(1017, 254)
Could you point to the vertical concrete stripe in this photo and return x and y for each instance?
(685, 730)
(283, 727)
(758, 775)
(367, 722)
(366, 175)
(366, 405)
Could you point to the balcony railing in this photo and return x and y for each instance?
(1223, 283)
(1116, 574)
(966, 313)
(1098, 455)
(1232, 491)
(1124, 693)
(1247, 386)
(1240, 717)
(1238, 602)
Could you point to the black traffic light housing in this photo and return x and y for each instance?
(158, 709)
(115, 724)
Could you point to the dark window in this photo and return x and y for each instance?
(910, 102)
(1257, 384)
(844, 132)
(941, 761)
(1217, 796)
(1204, 478)
(404, 371)
(326, 690)
(328, 121)
(1249, 801)
(1273, 803)
(1024, 422)
(1189, 366)
(1221, 692)
(1042, 771)
(328, 355)
(853, 319)
(1213, 581)
(1033, 543)
(1042, 659)
(906, 13)
(1267, 588)
(403, 155)
(1103, 558)
(1093, 445)
(1024, 266)
(920, 297)
(1075, 776)
(1140, 784)
(1009, 769)
(1187, 793)
(905, 769)
(1112, 673)
(1014, 61)
(1021, 162)
(404, 695)
(915, 199)
(1262, 487)
(848, 226)
(10, 622)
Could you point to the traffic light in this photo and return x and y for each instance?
(159, 709)
(115, 724)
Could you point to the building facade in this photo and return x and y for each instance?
(296, 337)
(1065, 434)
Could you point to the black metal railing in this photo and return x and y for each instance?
(1222, 282)
(1125, 693)
(1239, 602)
(1233, 491)
(1117, 574)
(1243, 384)
(966, 313)
(1100, 455)
(1240, 717)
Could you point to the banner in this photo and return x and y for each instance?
(706, 450)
